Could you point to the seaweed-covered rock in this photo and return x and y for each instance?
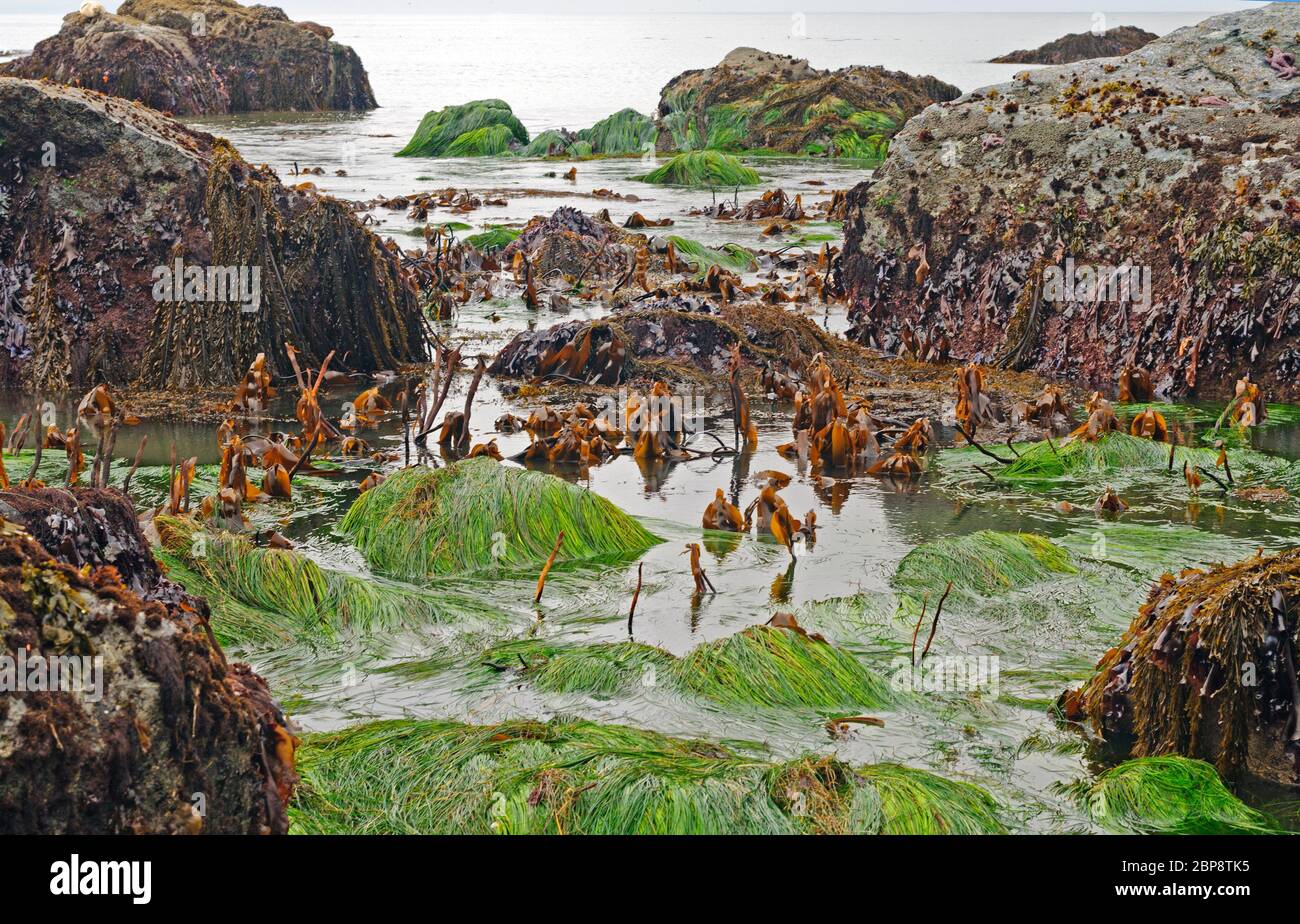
(674, 337)
(1079, 46)
(993, 213)
(578, 777)
(202, 57)
(478, 514)
(703, 169)
(87, 526)
(483, 128)
(137, 250)
(158, 733)
(571, 243)
(625, 132)
(1207, 670)
(757, 100)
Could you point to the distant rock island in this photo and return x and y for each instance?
(757, 100)
(1080, 46)
(201, 57)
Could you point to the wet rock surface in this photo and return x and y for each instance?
(1179, 159)
(755, 99)
(171, 738)
(202, 57)
(1207, 669)
(105, 199)
(1080, 46)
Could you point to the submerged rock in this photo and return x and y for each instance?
(1207, 670)
(994, 213)
(758, 100)
(570, 242)
(1079, 46)
(137, 250)
(161, 734)
(202, 57)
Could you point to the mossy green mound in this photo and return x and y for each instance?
(272, 597)
(980, 565)
(759, 666)
(577, 777)
(1167, 795)
(484, 127)
(773, 667)
(625, 132)
(702, 169)
(424, 523)
(1111, 453)
(728, 256)
(549, 143)
(493, 239)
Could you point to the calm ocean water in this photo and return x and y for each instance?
(572, 70)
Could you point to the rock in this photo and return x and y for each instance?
(1179, 159)
(482, 128)
(103, 197)
(1207, 670)
(202, 57)
(757, 100)
(569, 242)
(162, 735)
(677, 338)
(1079, 46)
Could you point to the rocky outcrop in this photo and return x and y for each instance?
(994, 211)
(1080, 46)
(133, 249)
(202, 57)
(151, 730)
(1208, 670)
(758, 100)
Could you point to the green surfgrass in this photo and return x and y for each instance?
(424, 523)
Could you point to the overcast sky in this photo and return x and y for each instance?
(317, 9)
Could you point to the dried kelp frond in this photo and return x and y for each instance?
(578, 777)
(475, 514)
(1207, 669)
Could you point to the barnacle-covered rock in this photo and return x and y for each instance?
(1170, 175)
(151, 729)
(1207, 670)
(137, 250)
(202, 57)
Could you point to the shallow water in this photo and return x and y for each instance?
(1006, 740)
